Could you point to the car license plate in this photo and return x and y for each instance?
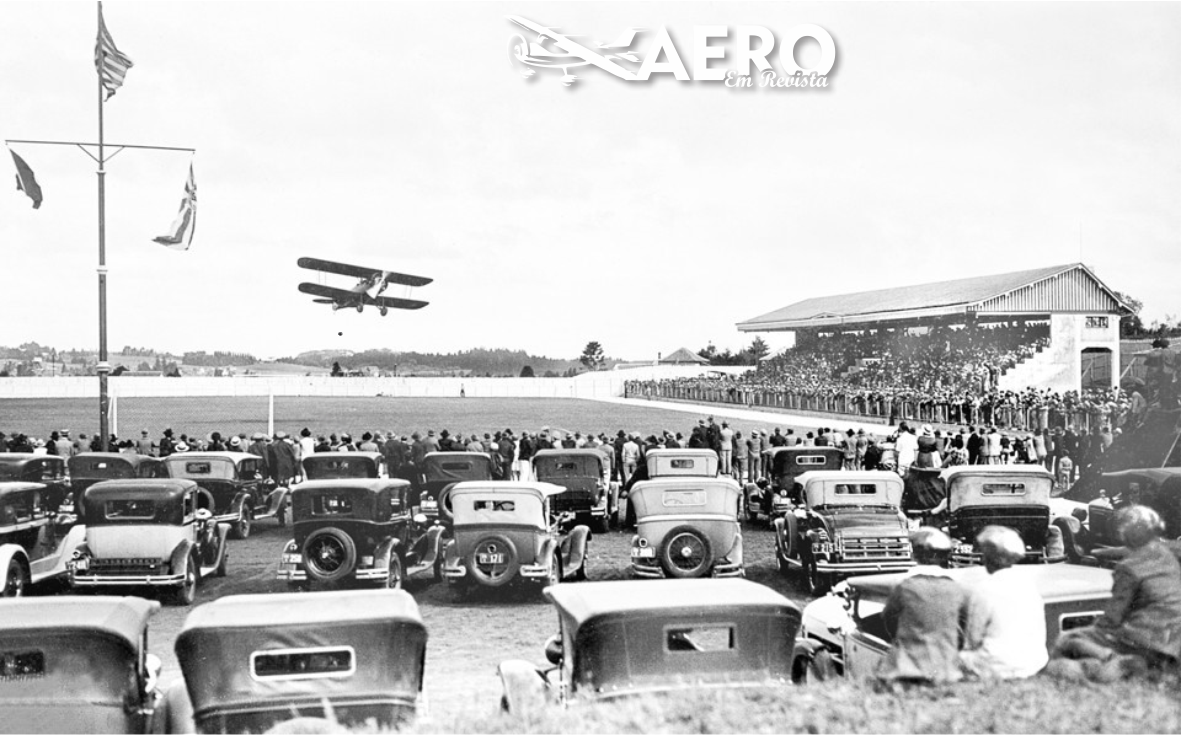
(824, 547)
(490, 558)
(78, 565)
(292, 558)
(644, 552)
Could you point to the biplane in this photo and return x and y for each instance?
(367, 291)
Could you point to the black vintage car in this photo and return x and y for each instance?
(441, 470)
(586, 474)
(47, 469)
(87, 468)
(1086, 514)
(235, 490)
(359, 529)
(340, 465)
(786, 464)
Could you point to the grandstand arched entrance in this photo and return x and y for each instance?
(1096, 365)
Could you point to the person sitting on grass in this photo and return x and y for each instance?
(923, 616)
(1005, 631)
(1141, 625)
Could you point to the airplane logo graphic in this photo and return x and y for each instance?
(553, 50)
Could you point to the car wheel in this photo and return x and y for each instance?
(186, 593)
(602, 524)
(812, 669)
(329, 554)
(686, 553)
(394, 580)
(494, 573)
(242, 525)
(818, 584)
(15, 584)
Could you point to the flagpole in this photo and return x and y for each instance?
(103, 368)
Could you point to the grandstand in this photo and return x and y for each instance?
(1054, 328)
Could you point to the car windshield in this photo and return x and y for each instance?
(206, 468)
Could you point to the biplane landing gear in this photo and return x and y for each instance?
(360, 308)
(383, 310)
(335, 306)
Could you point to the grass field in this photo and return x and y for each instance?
(228, 415)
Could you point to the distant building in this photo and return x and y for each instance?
(683, 356)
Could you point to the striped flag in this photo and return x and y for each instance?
(25, 181)
(181, 234)
(112, 64)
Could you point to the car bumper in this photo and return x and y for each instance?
(868, 567)
(533, 571)
(720, 569)
(126, 580)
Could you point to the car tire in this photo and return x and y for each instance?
(17, 582)
(396, 577)
(493, 575)
(818, 667)
(241, 528)
(329, 554)
(686, 553)
(186, 593)
(601, 524)
(818, 584)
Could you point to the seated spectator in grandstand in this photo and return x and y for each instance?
(1005, 630)
(1141, 625)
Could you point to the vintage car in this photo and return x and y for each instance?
(35, 543)
(360, 529)
(1016, 496)
(148, 533)
(349, 658)
(344, 465)
(844, 632)
(47, 469)
(1086, 514)
(681, 463)
(441, 470)
(70, 664)
(773, 499)
(87, 468)
(624, 638)
(590, 494)
(686, 527)
(235, 490)
(848, 523)
(506, 532)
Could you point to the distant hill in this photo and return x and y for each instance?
(477, 362)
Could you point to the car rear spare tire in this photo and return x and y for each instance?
(686, 553)
(329, 554)
(493, 562)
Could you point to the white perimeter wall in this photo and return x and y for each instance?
(588, 385)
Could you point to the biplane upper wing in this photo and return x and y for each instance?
(356, 271)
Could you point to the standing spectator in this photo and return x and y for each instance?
(64, 447)
(506, 449)
(923, 616)
(166, 444)
(860, 447)
(713, 436)
(726, 444)
(975, 444)
(631, 458)
(741, 452)
(307, 445)
(1070, 447)
(906, 448)
(764, 460)
(620, 440)
(144, 446)
(367, 444)
(527, 447)
(281, 459)
(1040, 452)
(849, 451)
(1005, 632)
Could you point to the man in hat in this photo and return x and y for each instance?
(144, 445)
(63, 447)
(166, 443)
(307, 445)
(281, 459)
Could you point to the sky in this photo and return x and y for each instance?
(952, 140)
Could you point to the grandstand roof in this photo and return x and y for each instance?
(1070, 288)
(683, 356)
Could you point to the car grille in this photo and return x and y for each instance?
(856, 549)
(129, 565)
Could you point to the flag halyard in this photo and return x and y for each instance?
(112, 64)
(180, 236)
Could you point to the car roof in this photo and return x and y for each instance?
(681, 452)
(460, 453)
(162, 487)
(22, 457)
(19, 486)
(996, 470)
(697, 481)
(234, 457)
(294, 608)
(343, 455)
(847, 475)
(545, 489)
(124, 456)
(589, 600)
(1053, 581)
(596, 453)
(368, 484)
(122, 617)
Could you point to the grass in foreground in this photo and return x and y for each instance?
(1040, 705)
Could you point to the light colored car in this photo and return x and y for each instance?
(506, 532)
(844, 632)
(35, 543)
(1016, 496)
(686, 527)
(624, 638)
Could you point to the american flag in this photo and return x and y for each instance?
(112, 64)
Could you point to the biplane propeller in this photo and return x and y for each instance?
(359, 296)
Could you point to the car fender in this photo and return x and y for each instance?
(242, 498)
(7, 553)
(525, 687)
(183, 552)
(451, 553)
(381, 554)
(223, 533)
(276, 498)
(574, 549)
(74, 540)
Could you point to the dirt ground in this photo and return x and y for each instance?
(466, 640)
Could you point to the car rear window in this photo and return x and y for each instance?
(303, 663)
(1071, 621)
(332, 505)
(681, 498)
(1003, 488)
(19, 664)
(856, 488)
(506, 506)
(811, 459)
(129, 509)
(699, 639)
(682, 464)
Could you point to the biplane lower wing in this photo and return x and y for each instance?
(356, 271)
(345, 297)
